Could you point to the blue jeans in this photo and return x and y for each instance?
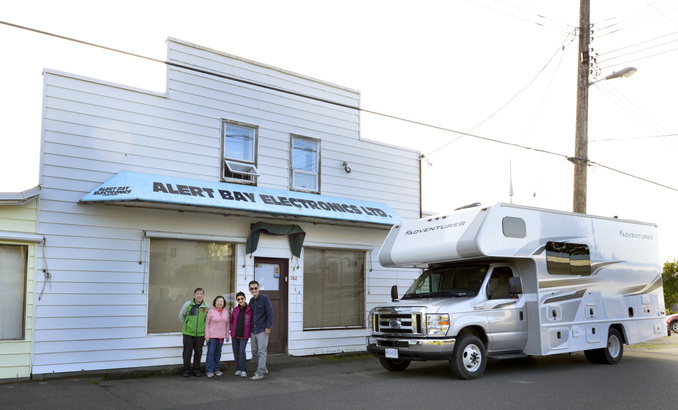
(213, 355)
(239, 354)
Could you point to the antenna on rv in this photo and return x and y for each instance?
(510, 181)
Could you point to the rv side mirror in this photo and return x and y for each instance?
(394, 293)
(515, 285)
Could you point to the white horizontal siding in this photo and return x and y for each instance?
(15, 355)
(92, 314)
(219, 62)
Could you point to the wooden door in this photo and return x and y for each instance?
(273, 281)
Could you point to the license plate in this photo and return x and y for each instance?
(392, 353)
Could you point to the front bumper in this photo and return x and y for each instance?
(413, 349)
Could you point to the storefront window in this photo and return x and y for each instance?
(176, 268)
(334, 288)
(12, 291)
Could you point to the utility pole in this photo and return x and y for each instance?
(581, 141)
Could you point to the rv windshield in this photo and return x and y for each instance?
(446, 281)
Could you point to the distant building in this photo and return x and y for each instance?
(146, 196)
(18, 250)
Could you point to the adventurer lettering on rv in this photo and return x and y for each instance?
(635, 235)
(435, 228)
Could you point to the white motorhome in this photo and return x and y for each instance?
(508, 281)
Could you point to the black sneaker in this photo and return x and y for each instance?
(186, 373)
(197, 373)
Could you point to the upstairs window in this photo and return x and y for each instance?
(305, 164)
(239, 147)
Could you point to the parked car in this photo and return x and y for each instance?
(672, 323)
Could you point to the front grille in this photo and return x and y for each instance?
(403, 321)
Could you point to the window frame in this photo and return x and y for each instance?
(248, 169)
(499, 270)
(200, 282)
(568, 258)
(363, 273)
(26, 251)
(293, 170)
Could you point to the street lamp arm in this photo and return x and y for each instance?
(623, 73)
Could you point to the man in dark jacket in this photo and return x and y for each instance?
(193, 315)
(262, 323)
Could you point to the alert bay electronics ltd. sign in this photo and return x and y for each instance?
(137, 187)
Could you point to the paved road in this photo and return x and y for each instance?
(647, 377)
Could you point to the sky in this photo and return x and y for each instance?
(500, 70)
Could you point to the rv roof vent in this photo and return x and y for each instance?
(473, 205)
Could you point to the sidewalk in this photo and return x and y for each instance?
(289, 377)
(171, 390)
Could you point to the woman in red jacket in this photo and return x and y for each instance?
(216, 331)
(241, 328)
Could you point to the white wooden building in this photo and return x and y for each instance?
(147, 196)
(18, 252)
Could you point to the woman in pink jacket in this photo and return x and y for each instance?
(241, 328)
(217, 330)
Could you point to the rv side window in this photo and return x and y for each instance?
(498, 285)
(513, 227)
(568, 259)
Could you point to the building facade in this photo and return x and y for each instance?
(18, 249)
(239, 171)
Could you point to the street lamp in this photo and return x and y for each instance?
(623, 73)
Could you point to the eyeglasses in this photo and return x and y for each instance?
(254, 288)
(239, 299)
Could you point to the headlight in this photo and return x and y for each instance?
(437, 324)
(370, 321)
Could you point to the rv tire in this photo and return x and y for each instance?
(469, 358)
(593, 356)
(394, 365)
(614, 351)
(611, 354)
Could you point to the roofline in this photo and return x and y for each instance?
(19, 198)
(263, 65)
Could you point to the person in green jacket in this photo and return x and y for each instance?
(193, 315)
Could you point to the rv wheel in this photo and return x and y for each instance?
(469, 359)
(615, 348)
(394, 365)
(608, 355)
(593, 356)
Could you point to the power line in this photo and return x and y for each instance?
(637, 51)
(634, 111)
(639, 59)
(633, 176)
(561, 47)
(290, 92)
(634, 138)
(535, 18)
(629, 22)
(660, 12)
(637, 44)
